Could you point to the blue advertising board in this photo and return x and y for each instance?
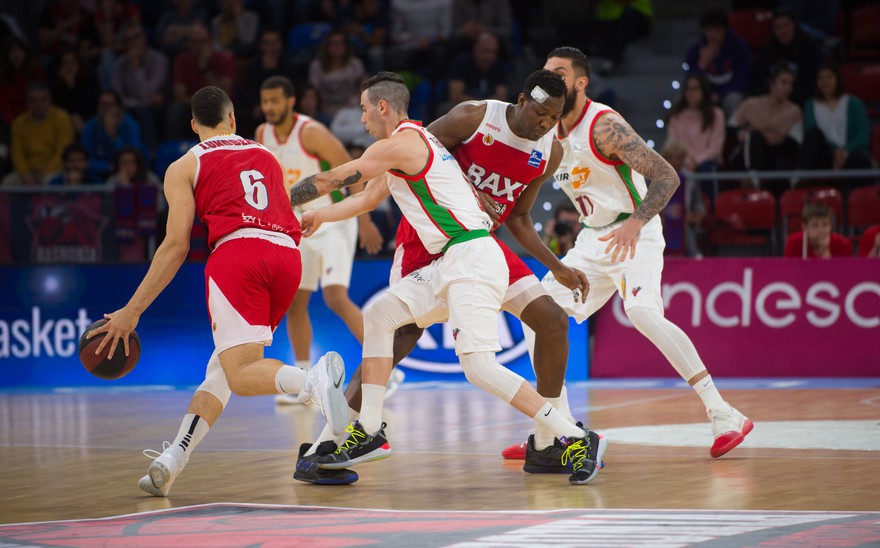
(43, 311)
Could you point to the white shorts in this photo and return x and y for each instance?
(637, 280)
(328, 256)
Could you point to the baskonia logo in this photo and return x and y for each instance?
(435, 351)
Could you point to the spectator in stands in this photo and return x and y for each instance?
(770, 126)
(619, 23)
(66, 25)
(420, 31)
(109, 17)
(698, 123)
(199, 66)
(562, 230)
(471, 18)
(683, 216)
(723, 57)
(816, 240)
(129, 168)
(235, 29)
(18, 68)
(869, 243)
(336, 74)
(39, 136)
(789, 44)
(479, 73)
(366, 23)
(75, 88)
(172, 30)
(75, 167)
(836, 126)
(139, 77)
(271, 60)
(108, 132)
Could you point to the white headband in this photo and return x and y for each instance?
(539, 95)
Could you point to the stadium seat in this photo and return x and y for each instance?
(863, 208)
(752, 25)
(864, 32)
(863, 81)
(306, 36)
(169, 151)
(745, 219)
(791, 206)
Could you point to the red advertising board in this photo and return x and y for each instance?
(754, 317)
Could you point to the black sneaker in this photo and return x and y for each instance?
(584, 455)
(547, 460)
(307, 469)
(357, 447)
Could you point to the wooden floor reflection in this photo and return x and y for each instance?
(78, 455)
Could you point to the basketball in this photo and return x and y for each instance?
(102, 367)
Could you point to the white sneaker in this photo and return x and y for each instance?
(397, 376)
(287, 399)
(164, 469)
(730, 428)
(323, 387)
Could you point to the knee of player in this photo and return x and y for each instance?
(643, 318)
(337, 301)
(551, 321)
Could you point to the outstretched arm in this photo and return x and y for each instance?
(615, 139)
(169, 256)
(360, 203)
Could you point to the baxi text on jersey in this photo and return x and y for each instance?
(37, 336)
(496, 184)
(253, 220)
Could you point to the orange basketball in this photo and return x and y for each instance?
(102, 367)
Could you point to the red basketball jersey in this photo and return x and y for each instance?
(500, 163)
(240, 184)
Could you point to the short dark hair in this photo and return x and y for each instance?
(210, 105)
(38, 86)
(546, 80)
(838, 85)
(74, 148)
(714, 17)
(111, 93)
(816, 210)
(578, 60)
(388, 86)
(283, 82)
(779, 69)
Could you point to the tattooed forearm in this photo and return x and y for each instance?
(617, 140)
(303, 191)
(350, 180)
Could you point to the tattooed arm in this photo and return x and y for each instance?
(616, 140)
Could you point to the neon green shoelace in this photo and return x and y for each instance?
(354, 438)
(576, 453)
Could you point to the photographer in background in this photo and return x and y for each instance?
(562, 230)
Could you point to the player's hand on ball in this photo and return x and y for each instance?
(622, 240)
(119, 325)
(310, 223)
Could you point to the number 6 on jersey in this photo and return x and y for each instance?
(255, 192)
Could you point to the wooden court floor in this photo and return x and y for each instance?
(78, 454)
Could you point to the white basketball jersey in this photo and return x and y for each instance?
(297, 161)
(603, 191)
(439, 203)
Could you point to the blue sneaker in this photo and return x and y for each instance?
(307, 469)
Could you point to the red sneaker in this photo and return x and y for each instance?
(515, 452)
(730, 428)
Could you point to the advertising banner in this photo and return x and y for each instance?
(43, 311)
(753, 317)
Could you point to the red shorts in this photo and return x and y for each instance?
(518, 269)
(249, 285)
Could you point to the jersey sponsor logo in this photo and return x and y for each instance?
(535, 158)
(579, 176)
(435, 351)
(493, 127)
(498, 186)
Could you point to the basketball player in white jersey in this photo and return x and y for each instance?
(603, 171)
(302, 144)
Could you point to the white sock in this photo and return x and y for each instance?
(192, 429)
(327, 435)
(705, 388)
(303, 364)
(290, 380)
(551, 418)
(372, 401)
(543, 436)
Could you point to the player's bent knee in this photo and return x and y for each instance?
(547, 318)
(215, 384)
(483, 371)
(382, 318)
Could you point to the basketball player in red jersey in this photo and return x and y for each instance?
(507, 151)
(238, 189)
